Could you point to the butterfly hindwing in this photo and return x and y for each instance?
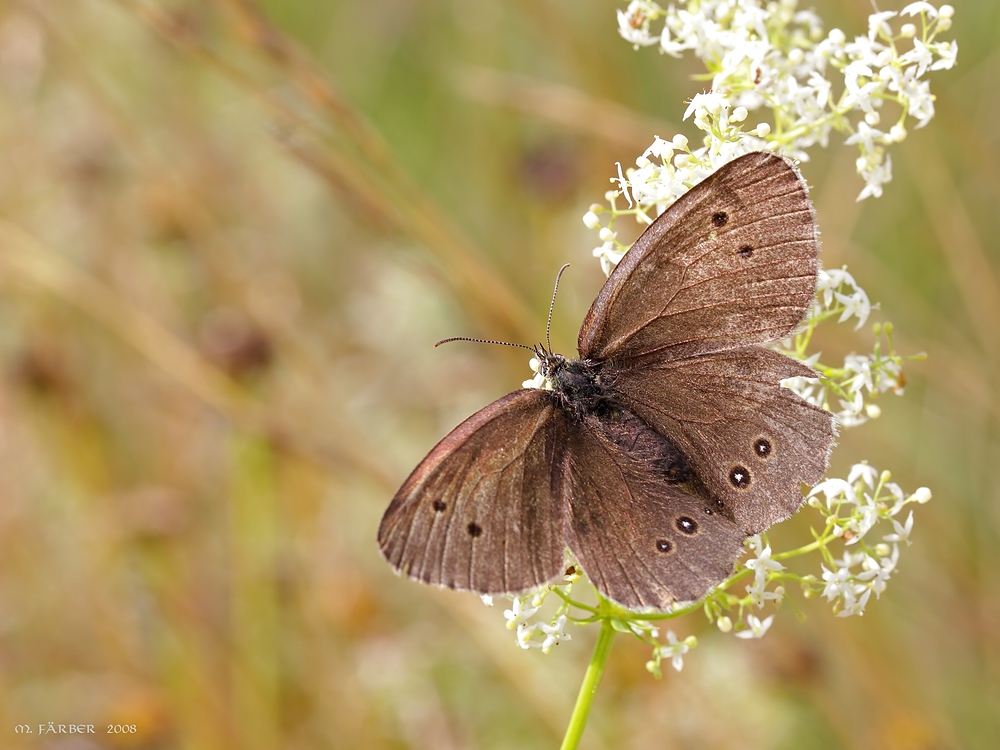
(751, 442)
(642, 540)
(483, 510)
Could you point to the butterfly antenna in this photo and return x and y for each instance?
(481, 341)
(552, 306)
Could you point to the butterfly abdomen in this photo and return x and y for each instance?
(644, 444)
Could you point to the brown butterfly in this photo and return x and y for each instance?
(667, 442)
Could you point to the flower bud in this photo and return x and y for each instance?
(591, 221)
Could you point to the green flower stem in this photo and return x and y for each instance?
(818, 544)
(591, 681)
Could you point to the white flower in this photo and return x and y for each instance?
(675, 650)
(902, 533)
(623, 189)
(834, 488)
(865, 136)
(761, 565)
(610, 257)
(841, 585)
(713, 103)
(838, 583)
(759, 594)
(856, 605)
(921, 56)
(755, 628)
(878, 26)
(518, 614)
(661, 149)
(524, 634)
(865, 472)
(858, 93)
(633, 23)
(948, 54)
(855, 305)
(914, 8)
(852, 590)
(875, 177)
(554, 633)
(880, 571)
(829, 284)
(862, 366)
(487, 600)
(893, 489)
(852, 413)
(864, 517)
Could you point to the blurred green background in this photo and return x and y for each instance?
(229, 236)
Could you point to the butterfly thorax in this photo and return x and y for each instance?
(576, 384)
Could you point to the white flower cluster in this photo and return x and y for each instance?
(763, 568)
(837, 293)
(853, 508)
(861, 376)
(776, 57)
(545, 634)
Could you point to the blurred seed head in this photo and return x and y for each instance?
(233, 342)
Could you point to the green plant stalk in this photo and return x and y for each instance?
(591, 681)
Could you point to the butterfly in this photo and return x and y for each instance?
(667, 442)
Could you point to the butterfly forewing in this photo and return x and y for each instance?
(483, 511)
(642, 541)
(732, 263)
